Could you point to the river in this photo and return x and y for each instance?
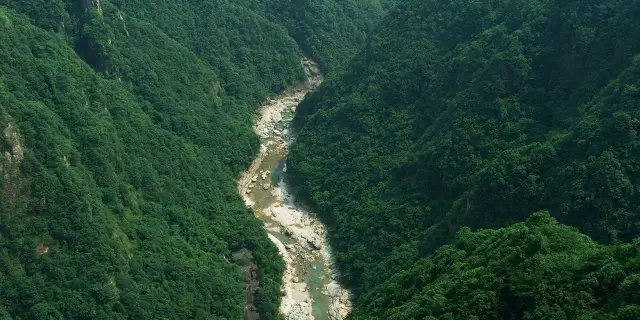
(309, 288)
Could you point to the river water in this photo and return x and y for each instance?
(309, 288)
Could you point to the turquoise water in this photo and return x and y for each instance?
(284, 239)
(314, 273)
(316, 278)
(278, 174)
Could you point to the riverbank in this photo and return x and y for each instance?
(309, 287)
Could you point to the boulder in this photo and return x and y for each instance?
(315, 243)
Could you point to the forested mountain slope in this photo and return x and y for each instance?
(123, 127)
(329, 31)
(531, 270)
(133, 218)
(475, 114)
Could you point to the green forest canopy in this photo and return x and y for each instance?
(475, 115)
(123, 125)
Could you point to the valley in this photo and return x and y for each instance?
(309, 288)
(319, 160)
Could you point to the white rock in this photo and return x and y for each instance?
(285, 218)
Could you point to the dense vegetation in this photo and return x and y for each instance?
(532, 270)
(329, 31)
(123, 125)
(136, 218)
(476, 114)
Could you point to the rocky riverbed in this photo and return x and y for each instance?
(309, 288)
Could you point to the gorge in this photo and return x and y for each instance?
(310, 290)
(425, 159)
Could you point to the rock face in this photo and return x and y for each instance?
(251, 282)
(306, 236)
(10, 165)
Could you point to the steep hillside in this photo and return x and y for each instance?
(123, 127)
(254, 56)
(106, 214)
(532, 270)
(329, 31)
(474, 114)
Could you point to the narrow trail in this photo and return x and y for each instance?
(309, 288)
